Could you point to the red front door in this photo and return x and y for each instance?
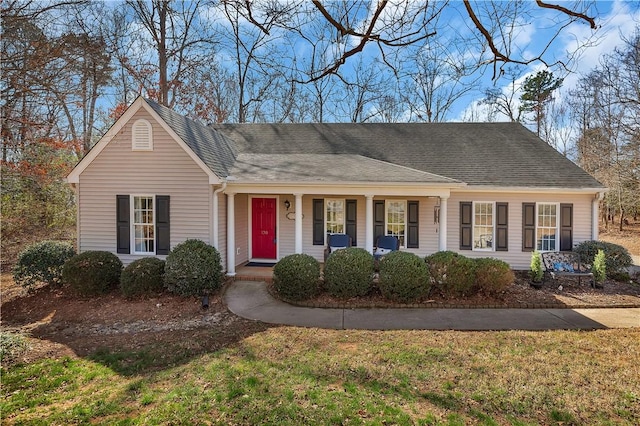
(263, 225)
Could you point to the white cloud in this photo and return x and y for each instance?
(577, 41)
(619, 22)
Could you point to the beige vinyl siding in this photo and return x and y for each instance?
(286, 227)
(167, 170)
(515, 256)
(428, 229)
(241, 206)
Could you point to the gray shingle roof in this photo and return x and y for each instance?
(325, 168)
(494, 154)
(213, 148)
(491, 154)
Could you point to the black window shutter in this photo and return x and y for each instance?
(466, 223)
(566, 227)
(413, 219)
(502, 224)
(351, 220)
(528, 226)
(123, 229)
(378, 220)
(163, 228)
(318, 222)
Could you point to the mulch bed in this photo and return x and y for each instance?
(566, 293)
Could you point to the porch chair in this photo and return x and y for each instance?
(336, 242)
(385, 244)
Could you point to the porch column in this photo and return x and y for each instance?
(368, 240)
(442, 237)
(298, 223)
(231, 235)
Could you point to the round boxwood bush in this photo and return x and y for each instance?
(492, 275)
(404, 277)
(452, 273)
(348, 272)
(296, 276)
(617, 258)
(193, 268)
(42, 263)
(92, 272)
(142, 276)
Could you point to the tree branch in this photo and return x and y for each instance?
(569, 12)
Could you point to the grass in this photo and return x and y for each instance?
(290, 375)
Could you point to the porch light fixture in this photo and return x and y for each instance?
(287, 204)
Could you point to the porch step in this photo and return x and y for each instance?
(265, 278)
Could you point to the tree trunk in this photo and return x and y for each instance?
(163, 7)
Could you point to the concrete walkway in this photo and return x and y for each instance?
(250, 299)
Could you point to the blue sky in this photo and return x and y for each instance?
(616, 19)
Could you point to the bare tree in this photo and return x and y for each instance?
(252, 50)
(391, 26)
(361, 92)
(173, 32)
(437, 76)
(606, 104)
(505, 100)
(557, 128)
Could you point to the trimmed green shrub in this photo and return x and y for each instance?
(296, 276)
(453, 273)
(348, 272)
(536, 272)
(599, 267)
(42, 263)
(193, 268)
(404, 277)
(493, 275)
(92, 272)
(617, 257)
(142, 276)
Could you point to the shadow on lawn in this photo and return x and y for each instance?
(130, 337)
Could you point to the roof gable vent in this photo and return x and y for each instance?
(142, 136)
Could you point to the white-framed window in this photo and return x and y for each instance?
(396, 219)
(483, 225)
(335, 216)
(141, 136)
(143, 220)
(547, 222)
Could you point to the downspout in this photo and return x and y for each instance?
(216, 219)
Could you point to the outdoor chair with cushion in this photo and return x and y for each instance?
(385, 245)
(336, 242)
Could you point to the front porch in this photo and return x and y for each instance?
(265, 226)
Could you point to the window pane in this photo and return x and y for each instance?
(396, 219)
(546, 233)
(483, 226)
(335, 216)
(143, 225)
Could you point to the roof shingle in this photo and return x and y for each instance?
(481, 154)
